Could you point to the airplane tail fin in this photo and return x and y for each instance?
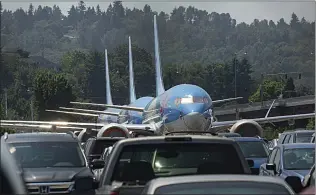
(159, 82)
(131, 73)
(107, 80)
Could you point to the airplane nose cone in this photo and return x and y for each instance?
(193, 108)
(196, 121)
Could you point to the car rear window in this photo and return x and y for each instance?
(223, 187)
(166, 160)
(254, 149)
(304, 137)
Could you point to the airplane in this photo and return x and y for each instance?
(184, 107)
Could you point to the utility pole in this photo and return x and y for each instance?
(32, 112)
(235, 70)
(6, 102)
(261, 90)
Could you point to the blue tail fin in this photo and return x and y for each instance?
(132, 94)
(160, 89)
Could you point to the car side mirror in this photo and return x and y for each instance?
(271, 167)
(295, 183)
(97, 164)
(250, 162)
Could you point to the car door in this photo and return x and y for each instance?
(270, 160)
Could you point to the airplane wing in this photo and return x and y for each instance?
(34, 127)
(76, 113)
(226, 100)
(145, 127)
(110, 106)
(266, 119)
(92, 111)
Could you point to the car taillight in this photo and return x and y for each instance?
(114, 193)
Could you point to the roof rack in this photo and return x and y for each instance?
(191, 132)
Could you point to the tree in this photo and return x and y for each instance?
(270, 89)
(51, 91)
(289, 88)
(311, 124)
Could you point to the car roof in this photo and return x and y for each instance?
(162, 139)
(298, 145)
(298, 131)
(214, 178)
(246, 139)
(40, 137)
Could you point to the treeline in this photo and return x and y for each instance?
(31, 89)
(187, 36)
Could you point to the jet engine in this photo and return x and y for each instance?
(247, 128)
(114, 130)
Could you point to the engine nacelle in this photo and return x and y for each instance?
(247, 128)
(114, 130)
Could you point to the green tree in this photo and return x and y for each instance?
(289, 88)
(51, 91)
(271, 90)
(311, 124)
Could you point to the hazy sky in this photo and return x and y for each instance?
(241, 11)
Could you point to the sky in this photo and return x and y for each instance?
(245, 11)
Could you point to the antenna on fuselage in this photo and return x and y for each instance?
(160, 89)
(107, 80)
(132, 94)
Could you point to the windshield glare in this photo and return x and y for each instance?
(182, 159)
(254, 149)
(299, 158)
(303, 137)
(230, 187)
(48, 154)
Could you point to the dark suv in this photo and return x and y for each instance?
(52, 163)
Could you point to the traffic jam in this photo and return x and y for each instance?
(177, 163)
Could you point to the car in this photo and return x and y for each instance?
(96, 145)
(51, 162)
(290, 160)
(217, 184)
(133, 162)
(253, 149)
(11, 174)
(297, 136)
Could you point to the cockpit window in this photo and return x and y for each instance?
(191, 100)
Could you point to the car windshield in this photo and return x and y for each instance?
(48, 154)
(303, 137)
(299, 158)
(254, 149)
(223, 187)
(181, 159)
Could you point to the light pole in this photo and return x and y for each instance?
(6, 102)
